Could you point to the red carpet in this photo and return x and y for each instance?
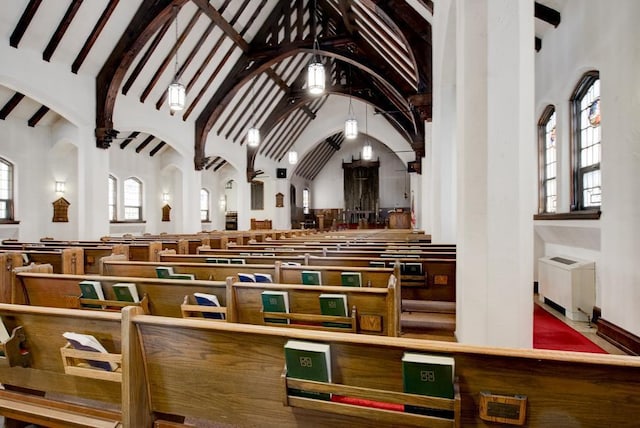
(551, 333)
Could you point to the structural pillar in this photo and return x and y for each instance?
(496, 176)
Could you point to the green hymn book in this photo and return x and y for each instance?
(431, 375)
(126, 292)
(308, 361)
(164, 271)
(334, 305)
(351, 279)
(311, 277)
(91, 290)
(275, 301)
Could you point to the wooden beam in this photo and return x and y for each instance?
(157, 148)
(23, 23)
(10, 105)
(61, 30)
(546, 14)
(170, 56)
(33, 121)
(148, 19)
(217, 17)
(97, 29)
(129, 139)
(145, 143)
(220, 165)
(345, 11)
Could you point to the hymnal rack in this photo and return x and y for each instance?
(381, 415)
(80, 302)
(313, 321)
(191, 310)
(75, 362)
(15, 352)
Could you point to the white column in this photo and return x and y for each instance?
(191, 185)
(93, 189)
(442, 189)
(424, 185)
(496, 172)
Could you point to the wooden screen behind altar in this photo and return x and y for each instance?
(361, 189)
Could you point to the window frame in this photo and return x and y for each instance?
(577, 171)
(546, 116)
(207, 218)
(257, 195)
(113, 186)
(9, 218)
(139, 207)
(306, 200)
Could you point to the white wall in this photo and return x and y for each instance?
(595, 35)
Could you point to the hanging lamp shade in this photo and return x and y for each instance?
(351, 128)
(293, 157)
(315, 77)
(367, 151)
(253, 137)
(177, 96)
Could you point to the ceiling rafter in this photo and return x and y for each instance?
(157, 148)
(150, 16)
(23, 23)
(37, 116)
(10, 105)
(547, 14)
(93, 37)
(170, 55)
(145, 143)
(61, 30)
(132, 136)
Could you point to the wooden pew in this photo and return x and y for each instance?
(438, 281)
(332, 275)
(375, 310)
(37, 385)
(256, 260)
(203, 271)
(233, 374)
(159, 296)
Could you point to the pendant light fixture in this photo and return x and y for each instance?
(367, 151)
(253, 136)
(315, 70)
(351, 124)
(177, 93)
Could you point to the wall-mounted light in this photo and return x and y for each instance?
(60, 187)
(222, 202)
(165, 198)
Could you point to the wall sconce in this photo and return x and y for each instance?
(60, 187)
(165, 198)
(223, 202)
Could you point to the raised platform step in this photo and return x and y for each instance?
(432, 306)
(423, 321)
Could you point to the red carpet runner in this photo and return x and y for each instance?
(551, 333)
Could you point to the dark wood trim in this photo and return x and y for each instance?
(145, 143)
(97, 29)
(24, 22)
(156, 148)
(10, 105)
(129, 139)
(62, 28)
(33, 121)
(626, 341)
(127, 221)
(9, 222)
(546, 14)
(574, 215)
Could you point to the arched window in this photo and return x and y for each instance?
(257, 195)
(113, 198)
(132, 199)
(204, 205)
(6, 190)
(548, 161)
(305, 201)
(586, 143)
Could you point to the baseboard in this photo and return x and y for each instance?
(626, 341)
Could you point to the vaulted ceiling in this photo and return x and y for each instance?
(243, 62)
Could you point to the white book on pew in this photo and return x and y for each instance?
(4, 333)
(86, 342)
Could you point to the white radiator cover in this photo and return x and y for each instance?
(568, 282)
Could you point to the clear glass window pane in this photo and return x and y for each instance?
(132, 199)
